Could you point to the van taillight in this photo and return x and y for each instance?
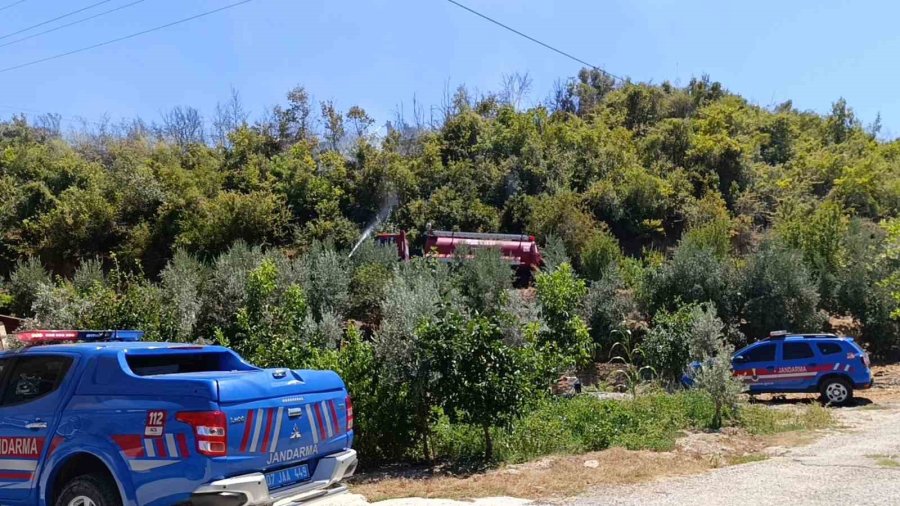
(349, 403)
(209, 430)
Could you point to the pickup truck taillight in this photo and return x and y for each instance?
(349, 404)
(209, 430)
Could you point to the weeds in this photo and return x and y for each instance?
(632, 372)
(761, 420)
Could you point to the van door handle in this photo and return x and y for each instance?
(36, 425)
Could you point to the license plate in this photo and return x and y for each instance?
(285, 477)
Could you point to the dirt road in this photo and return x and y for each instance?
(858, 464)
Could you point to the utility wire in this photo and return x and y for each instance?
(11, 5)
(60, 27)
(536, 41)
(57, 18)
(126, 37)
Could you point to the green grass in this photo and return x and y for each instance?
(888, 461)
(747, 459)
(651, 422)
(582, 424)
(762, 420)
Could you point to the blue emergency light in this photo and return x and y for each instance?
(110, 335)
(36, 337)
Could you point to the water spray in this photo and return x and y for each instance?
(383, 214)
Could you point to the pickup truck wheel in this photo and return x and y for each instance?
(89, 490)
(837, 391)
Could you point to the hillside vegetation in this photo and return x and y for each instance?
(665, 213)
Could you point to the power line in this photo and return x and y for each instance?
(536, 41)
(126, 37)
(11, 5)
(60, 27)
(57, 18)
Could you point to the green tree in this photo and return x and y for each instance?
(478, 378)
(271, 323)
(559, 294)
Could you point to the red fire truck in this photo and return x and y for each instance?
(521, 251)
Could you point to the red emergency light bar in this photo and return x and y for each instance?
(38, 337)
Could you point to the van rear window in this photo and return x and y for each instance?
(178, 363)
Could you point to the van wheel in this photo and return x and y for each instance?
(89, 490)
(836, 391)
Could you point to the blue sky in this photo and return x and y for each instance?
(381, 53)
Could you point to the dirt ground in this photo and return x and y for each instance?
(855, 463)
(553, 479)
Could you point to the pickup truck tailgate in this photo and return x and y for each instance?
(279, 417)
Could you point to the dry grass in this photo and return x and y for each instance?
(545, 478)
(566, 476)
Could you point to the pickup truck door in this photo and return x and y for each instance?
(30, 402)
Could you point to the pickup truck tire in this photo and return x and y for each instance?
(836, 391)
(89, 490)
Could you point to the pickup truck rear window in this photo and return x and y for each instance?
(180, 363)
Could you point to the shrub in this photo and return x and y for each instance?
(819, 235)
(518, 311)
(694, 274)
(607, 306)
(706, 333)
(562, 215)
(369, 281)
(560, 293)
(554, 253)
(270, 326)
(383, 423)
(181, 282)
(483, 278)
(411, 296)
(26, 281)
(716, 380)
(601, 252)
(777, 292)
(892, 257)
(371, 252)
(89, 273)
(225, 291)
(327, 280)
(667, 345)
(714, 377)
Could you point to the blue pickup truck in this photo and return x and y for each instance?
(121, 422)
